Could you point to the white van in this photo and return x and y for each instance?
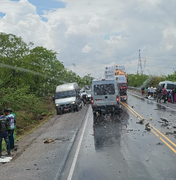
(67, 98)
(169, 85)
(105, 97)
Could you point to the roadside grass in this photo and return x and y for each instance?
(28, 122)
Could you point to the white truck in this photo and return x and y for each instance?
(67, 98)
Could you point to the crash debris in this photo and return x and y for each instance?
(4, 159)
(147, 127)
(167, 133)
(46, 141)
(159, 143)
(141, 121)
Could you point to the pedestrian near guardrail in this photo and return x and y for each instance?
(151, 91)
(142, 90)
(148, 91)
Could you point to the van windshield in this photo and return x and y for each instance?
(104, 89)
(65, 94)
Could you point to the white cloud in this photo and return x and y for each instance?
(86, 49)
(93, 34)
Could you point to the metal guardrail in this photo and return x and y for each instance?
(134, 88)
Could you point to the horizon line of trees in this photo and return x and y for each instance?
(137, 80)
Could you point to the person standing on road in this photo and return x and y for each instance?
(171, 96)
(148, 90)
(174, 94)
(164, 93)
(154, 94)
(11, 112)
(159, 93)
(151, 91)
(4, 121)
(142, 90)
(11, 127)
(84, 97)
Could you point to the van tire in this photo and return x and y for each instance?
(77, 108)
(58, 112)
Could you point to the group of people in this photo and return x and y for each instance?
(169, 96)
(7, 126)
(160, 93)
(151, 91)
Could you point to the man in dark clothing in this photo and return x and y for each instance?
(11, 127)
(173, 94)
(4, 132)
(164, 93)
(158, 93)
(142, 90)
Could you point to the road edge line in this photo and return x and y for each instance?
(60, 170)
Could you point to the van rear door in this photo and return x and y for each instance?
(104, 93)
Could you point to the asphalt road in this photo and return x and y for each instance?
(114, 148)
(36, 160)
(121, 148)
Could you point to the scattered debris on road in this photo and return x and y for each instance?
(4, 159)
(147, 127)
(165, 122)
(129, 130)
(168, 133)
(169, 127)
(48, 141)
(141, 121)
(159, 143)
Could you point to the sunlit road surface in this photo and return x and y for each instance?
(121, 148)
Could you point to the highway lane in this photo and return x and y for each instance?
(121, 148)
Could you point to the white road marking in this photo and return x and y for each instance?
(78, 149)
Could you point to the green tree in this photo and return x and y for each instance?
(171, 77)
(12, 50)
(136, 80)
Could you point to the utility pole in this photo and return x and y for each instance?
(140, 68)
(140, 63)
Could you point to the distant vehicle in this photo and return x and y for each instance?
(169, 85)
(67, 98)
(105, 97)
(119, 73)
(89, 95)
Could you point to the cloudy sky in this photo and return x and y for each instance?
(89, 35)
